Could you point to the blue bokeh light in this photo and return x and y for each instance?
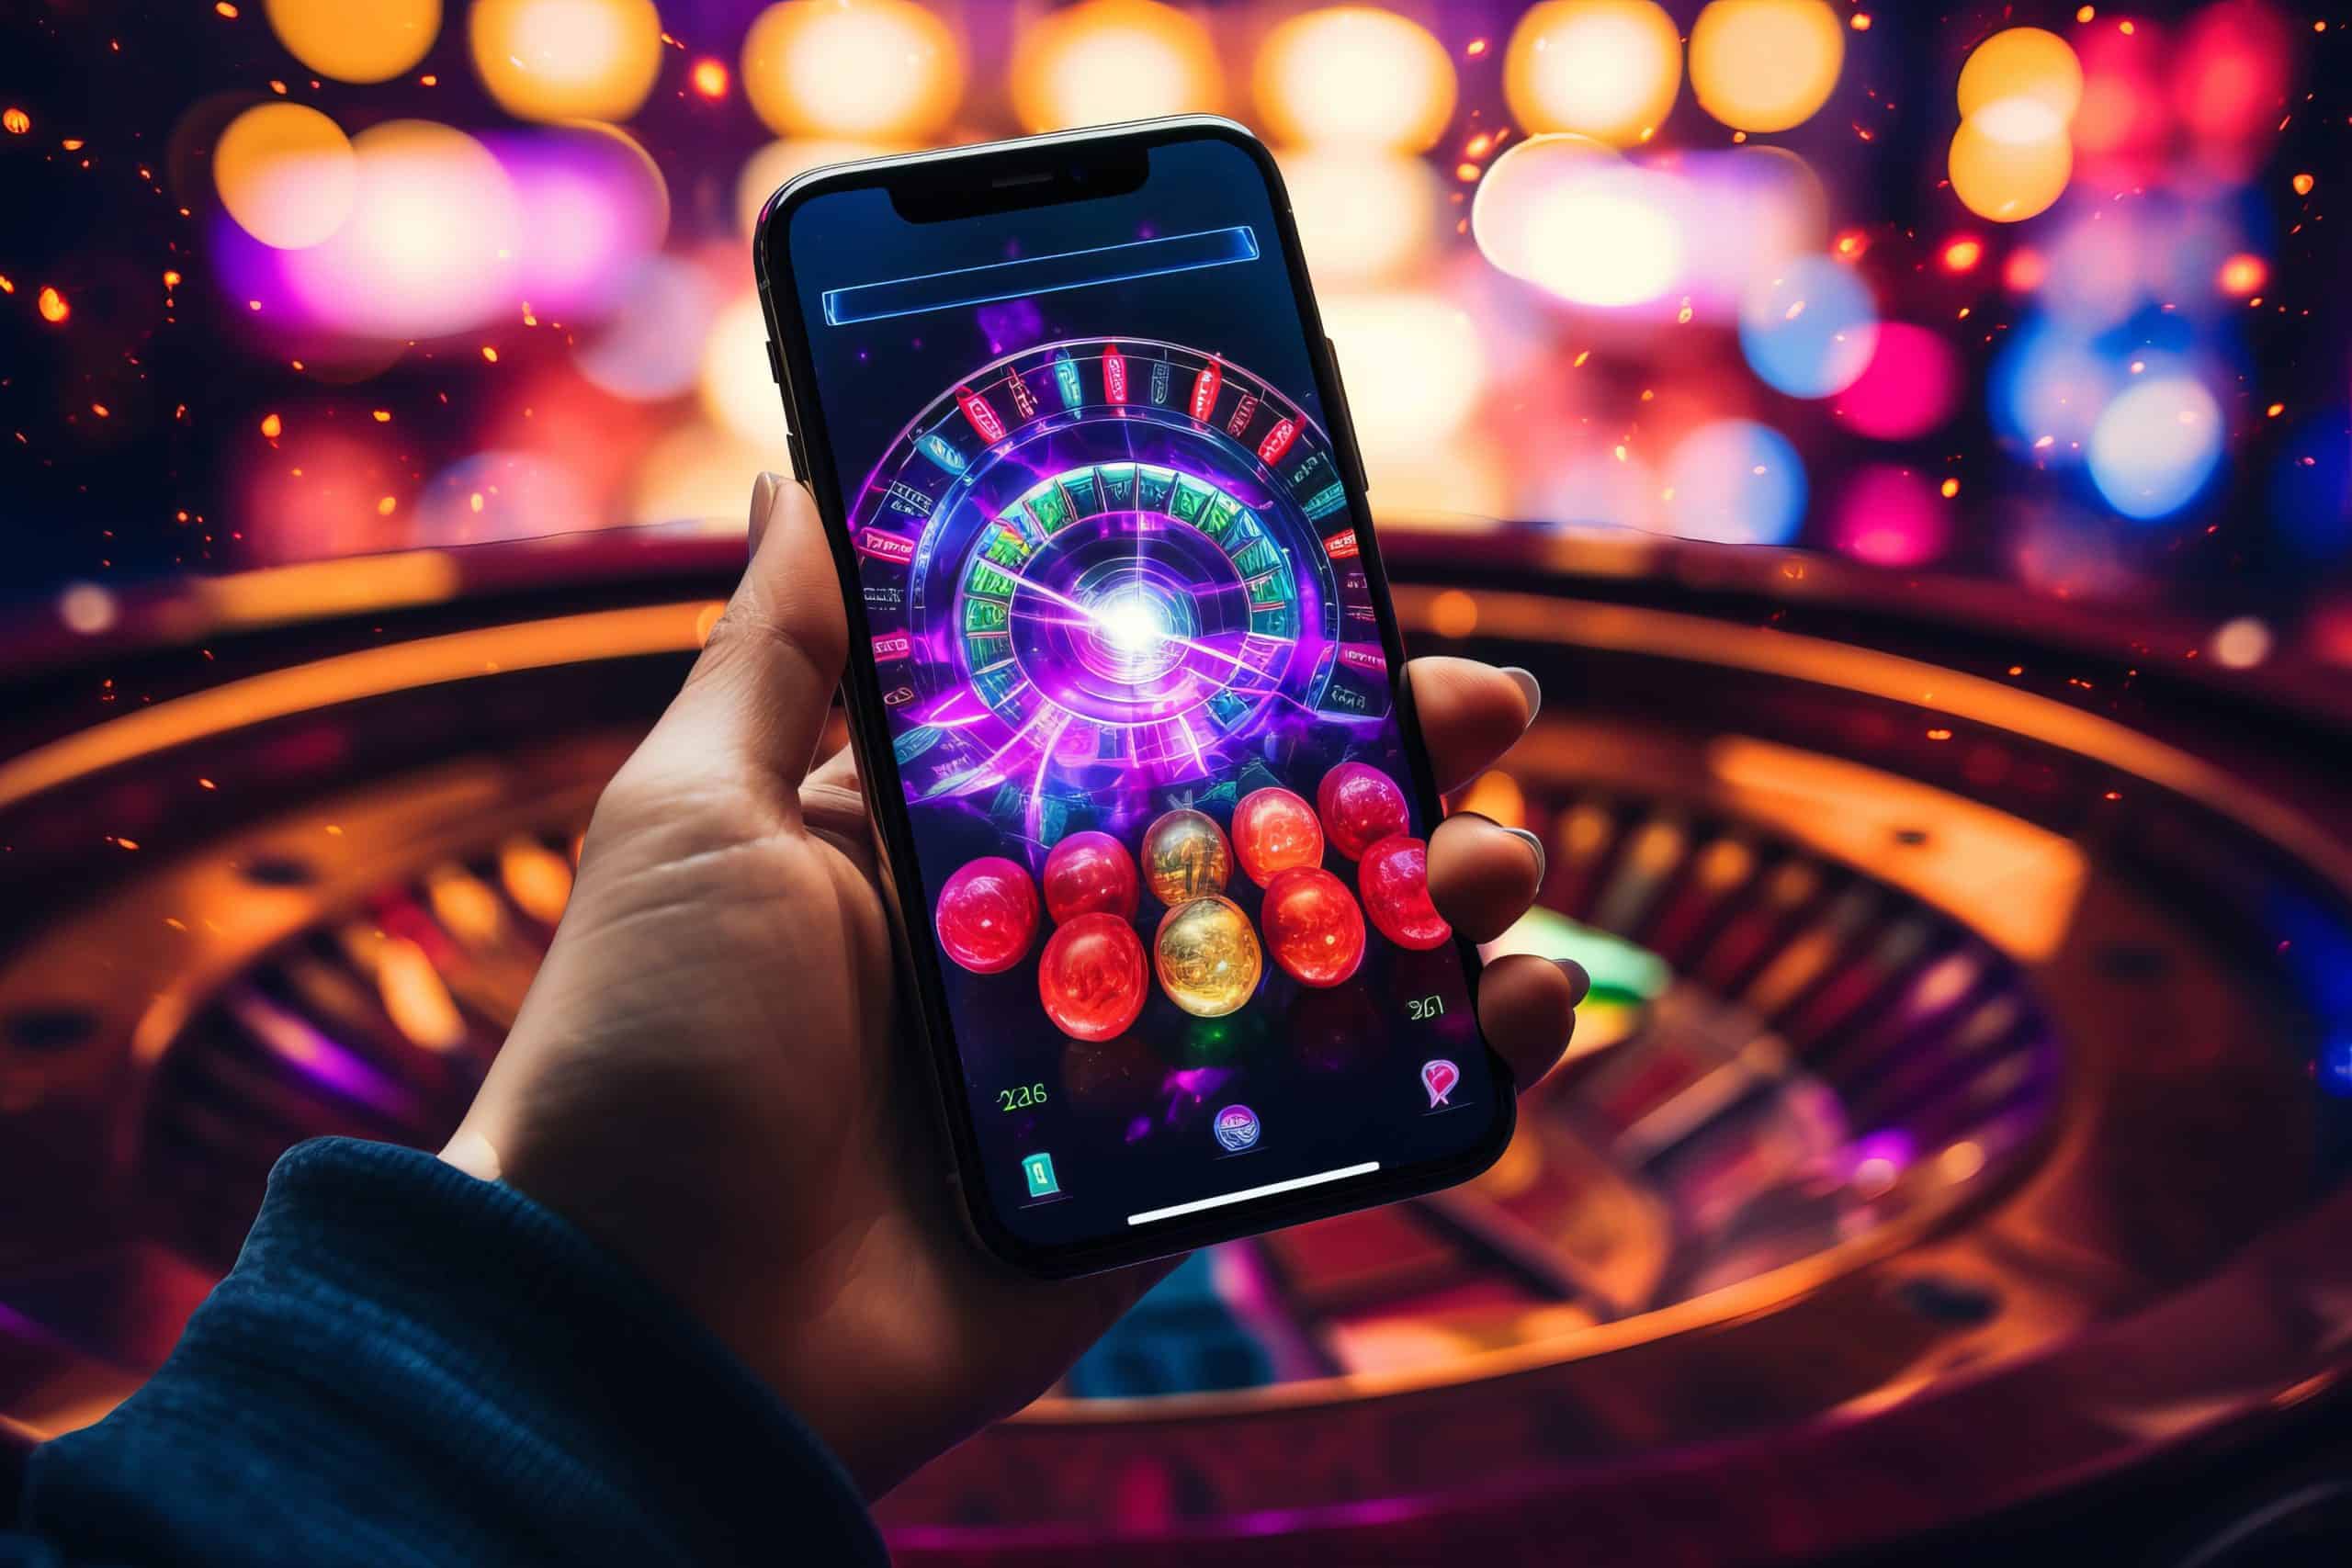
(2156, 445)
(1810, 329)
(1735, 482)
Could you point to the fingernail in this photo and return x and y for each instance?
(1578, 981)
(1535, 847)
(763, 503)
(1529, 687)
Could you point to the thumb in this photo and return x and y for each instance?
(755, 701)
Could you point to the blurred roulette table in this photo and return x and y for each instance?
(1951, 1155)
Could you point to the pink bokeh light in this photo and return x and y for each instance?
(1892, 517)
(1909, 387)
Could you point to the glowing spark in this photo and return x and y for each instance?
(1466, 172)
(428, 80)
(2124, 28)
(385, 507)
(171, 279)
(1477, 47)
(16, 121)
(1961, 255)
(52, 305)
(1861, 22)
(2303, 184)
(711, 78)
(383, 416)
(272, 427)
(1582, 354)
(1940, 735)
(8, 285)
(490, 353)
(1480, 145)
(2085, 13)
(1952, 487)
(101, 411)
(226, 9)
(474, 500)
(2274, 410)
(72, 144)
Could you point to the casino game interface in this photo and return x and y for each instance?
(1137, 701)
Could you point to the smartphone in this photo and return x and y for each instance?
(1126, 690)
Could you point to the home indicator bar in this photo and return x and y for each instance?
(1268, 1190)
(1039, 275)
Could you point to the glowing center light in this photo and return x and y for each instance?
(285, 173)
(1765, 64)
(1137, 627)
(356, 40)
(567, 59)
(1357, 74)
(885, 69)
(2155, 446)
(1112, 59)
(1608, 68)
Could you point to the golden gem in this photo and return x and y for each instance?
(1207, 957)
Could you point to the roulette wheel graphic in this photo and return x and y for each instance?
(1101, 568)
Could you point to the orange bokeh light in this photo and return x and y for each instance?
(1962, 255)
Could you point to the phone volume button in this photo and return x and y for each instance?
(776, 363)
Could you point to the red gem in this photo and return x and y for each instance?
(1088, 873)
(1361, 805)
(1395, 881)
(988, 915)
(1272, 832)
(1092, 978)
(1313, 927)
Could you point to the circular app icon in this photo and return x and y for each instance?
(1237, 1128)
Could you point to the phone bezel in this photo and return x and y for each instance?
(811, 457)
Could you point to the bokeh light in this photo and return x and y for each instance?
(500, 495)
(1734, 481)
(566, 59)
(285, 173)
(2156, 445)
(356, 40)
(768, 170)
(1603, 489)
(2023, 63)
(1608, 68)
(738, 385)
(1414, 367)
(1892, 517)
(1356, 75)
(650, 348)
(2310, 487)
(1362, 215)
(2010, 160)
(1765, 64)
(1103, 61)
(1809, 330)
(1568, 214)
(2231, 83)
(2046, 390)
(1910, 386)
(592, 204)
(880, 70)
(322, 495)
(696, 473)
(433, 243)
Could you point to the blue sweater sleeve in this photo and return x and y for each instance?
(409, 1365)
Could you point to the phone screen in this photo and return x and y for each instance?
(1169, 842)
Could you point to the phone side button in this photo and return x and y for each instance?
(1345, 419)
(776, 363)
(800, 460)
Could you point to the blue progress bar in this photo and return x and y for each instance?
(1039, 275)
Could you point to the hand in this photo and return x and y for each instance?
(707, 1075)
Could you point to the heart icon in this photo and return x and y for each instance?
(1439, 1077)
